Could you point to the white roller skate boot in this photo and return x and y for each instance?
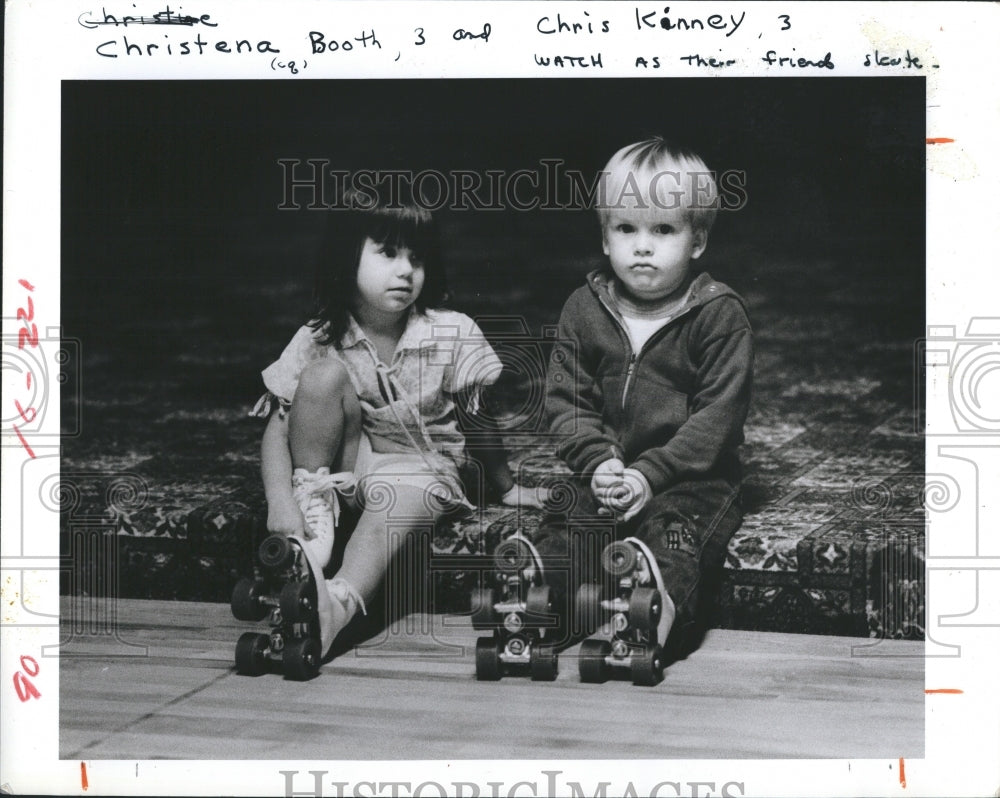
(316, 494)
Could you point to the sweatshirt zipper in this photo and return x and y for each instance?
(628, 376)
(633, 358)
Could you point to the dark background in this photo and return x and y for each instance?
(182, 279)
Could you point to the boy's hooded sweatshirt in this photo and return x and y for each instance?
(674, 410)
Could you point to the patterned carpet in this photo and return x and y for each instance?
(160, 493)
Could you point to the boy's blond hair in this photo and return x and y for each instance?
(656, 174)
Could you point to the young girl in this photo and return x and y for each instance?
(365, 402)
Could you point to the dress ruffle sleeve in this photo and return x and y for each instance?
(476, 365)
(281, 378)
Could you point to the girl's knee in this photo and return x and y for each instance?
(324, 381)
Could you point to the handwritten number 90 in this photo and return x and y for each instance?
(25, 689)
(420, 36)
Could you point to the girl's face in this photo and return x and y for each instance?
(390, 278)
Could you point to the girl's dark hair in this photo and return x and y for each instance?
(386, 215)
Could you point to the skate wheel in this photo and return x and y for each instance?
(594, 668)
(538, 605)
(647, 666)
(619, 558)
(544, 663)
(300, 659)
(245, 602)
(483, 614)
(276, 553)
(512, 556)
(251, 653)
(644, 609)
(587, 609)
(488, 665)
(298, 602)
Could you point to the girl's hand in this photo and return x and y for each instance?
(520, 496)
(285, 518)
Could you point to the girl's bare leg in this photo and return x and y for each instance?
(324, 424)
(324, 428)
(378, 536)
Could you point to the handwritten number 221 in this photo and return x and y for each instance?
(29, 332)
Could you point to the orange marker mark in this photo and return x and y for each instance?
(83, 775)
(940, 141)
(902, 773)
(944, 691)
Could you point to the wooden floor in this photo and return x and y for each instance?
(412, 694)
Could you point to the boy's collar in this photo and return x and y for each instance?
(702, 289)
(662, 308)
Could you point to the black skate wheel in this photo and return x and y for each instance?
(512, 556)
(488, 664)
(619, 558)
(594, 668)
(544, 663)
(644, 609)
(251, 653)
(276, 553)
(483, 615)
(298, 602)
(245, 602)
(587, 610)
(538, 606)
(647, 666)
(300, 659)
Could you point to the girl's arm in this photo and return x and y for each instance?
(491, 454)
(283, 513)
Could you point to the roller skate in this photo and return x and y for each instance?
(284, 591)
(518, 609)
(284, 587)
(630, 620)
(316, 494)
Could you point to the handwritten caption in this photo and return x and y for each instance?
(27, 337)
(132, 38)
(23, 685)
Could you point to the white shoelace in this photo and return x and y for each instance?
(323, 489)
(342, 591)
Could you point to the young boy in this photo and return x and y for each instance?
(648, 388)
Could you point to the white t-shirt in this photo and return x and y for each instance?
(641, 326)
(641, 329)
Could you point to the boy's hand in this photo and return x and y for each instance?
(630, 495)
(285, 518)
(607, 477)
(521, 496)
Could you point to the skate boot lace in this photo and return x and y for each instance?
(343, 592)
(322, 490)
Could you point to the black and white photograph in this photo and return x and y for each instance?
(604, 425)
(204, 229)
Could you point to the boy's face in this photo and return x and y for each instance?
(651, 249)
